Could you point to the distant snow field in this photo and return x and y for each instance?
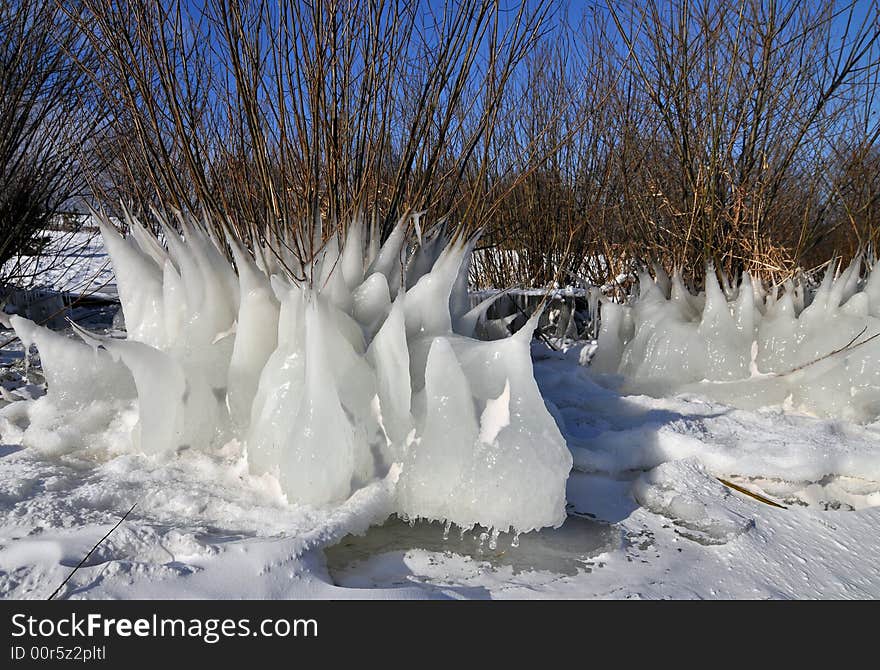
(72, 262)
(647, 513)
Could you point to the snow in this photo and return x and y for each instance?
(72, 262)
(614, 433)
(646, 514)
(203, 527)
(684, 492)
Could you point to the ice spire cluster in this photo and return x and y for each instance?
(739, 343)
(329, 374)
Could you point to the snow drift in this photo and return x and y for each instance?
(744, 345)
(329, 374)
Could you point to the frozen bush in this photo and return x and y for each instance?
(812, 351)
(327, 381)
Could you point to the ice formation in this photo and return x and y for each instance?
(739, 343)
(328, 381)
(700, 506)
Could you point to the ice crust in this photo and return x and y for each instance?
(701, 508)
(367, 366)
(744, 345)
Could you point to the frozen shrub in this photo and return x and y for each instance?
(369, 361)
(813, 351)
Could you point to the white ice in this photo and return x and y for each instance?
(813, 351)
(327, 382)
(648, 516)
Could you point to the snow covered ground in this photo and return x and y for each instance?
(71, 278)
(648, 516)
(72, 262)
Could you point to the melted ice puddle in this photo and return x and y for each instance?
(566, 550)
